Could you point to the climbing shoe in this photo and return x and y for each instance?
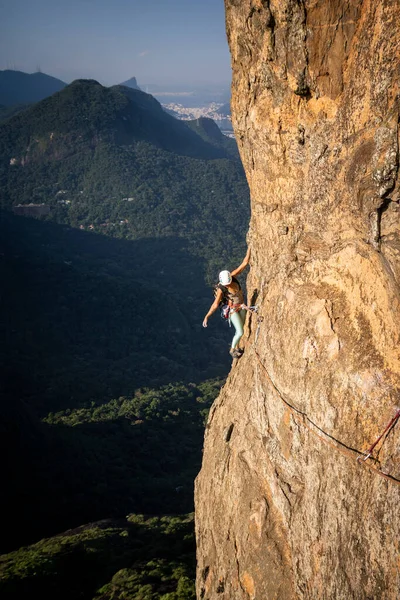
(235, 353)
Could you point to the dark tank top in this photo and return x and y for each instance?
(235, 297)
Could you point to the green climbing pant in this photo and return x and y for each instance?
(237, 319)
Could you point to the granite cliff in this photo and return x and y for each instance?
(284, 510)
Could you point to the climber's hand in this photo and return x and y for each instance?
(205, 322)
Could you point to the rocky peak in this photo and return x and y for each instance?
(131, 83)
(284, 509)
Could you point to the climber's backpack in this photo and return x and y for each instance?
(224, 307)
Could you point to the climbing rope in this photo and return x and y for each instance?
(329, 439)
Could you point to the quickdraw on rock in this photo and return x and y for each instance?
(260, 319)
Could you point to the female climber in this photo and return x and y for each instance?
(229, 287)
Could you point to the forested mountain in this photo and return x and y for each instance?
(110, 159)
(108, 374)
(209, 131)
(132, 558)
(17, 87)
(8, 111)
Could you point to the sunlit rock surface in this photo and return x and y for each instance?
(283, 508)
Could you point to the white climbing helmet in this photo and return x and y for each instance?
(225, 278)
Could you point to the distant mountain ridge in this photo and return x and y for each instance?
(17, 87)
(122, 115)
(131, 83)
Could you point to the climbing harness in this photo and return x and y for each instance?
(329, 439)
(388, 427)
(226, 310)
(235, 307)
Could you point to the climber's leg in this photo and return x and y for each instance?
(237, 319)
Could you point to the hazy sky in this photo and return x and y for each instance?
(157, 41)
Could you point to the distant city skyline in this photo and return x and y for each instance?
(159, 42)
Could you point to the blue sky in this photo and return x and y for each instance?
(158, 41)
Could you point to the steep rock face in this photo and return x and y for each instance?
(283, 508)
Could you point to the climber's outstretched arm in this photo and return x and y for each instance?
(243, 265)
(213, 307)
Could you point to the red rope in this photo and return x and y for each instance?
(387, 428)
